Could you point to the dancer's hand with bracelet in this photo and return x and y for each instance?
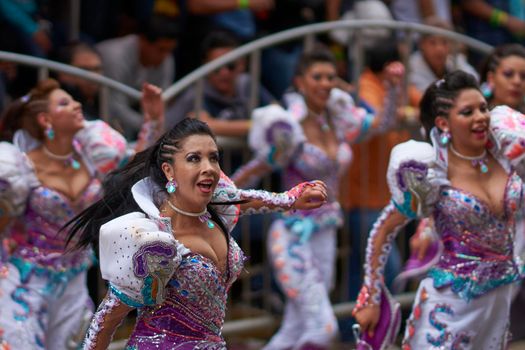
(311, 195)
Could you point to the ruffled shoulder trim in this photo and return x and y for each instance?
(275, 135)
(414, 178)
(17, 178)
(102, 147)
(351, 122)
(138, 258)
(507, 131)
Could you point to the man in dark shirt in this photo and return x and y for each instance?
(226, 104)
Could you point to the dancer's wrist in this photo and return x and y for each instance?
(367, 298)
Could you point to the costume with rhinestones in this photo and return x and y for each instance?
(180, 295)
(43, 293)
(465, 300)
(302, 245)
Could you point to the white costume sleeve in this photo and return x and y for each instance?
(138, 259)
(507, 129)
(104, 148)
(275, 136)
(414, 178)
(16, 179)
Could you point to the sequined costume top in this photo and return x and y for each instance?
(478, 243)
(180, 295)
(278, 140)
(39, 211)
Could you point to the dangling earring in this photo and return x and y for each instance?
(50, 133)
(171, 186)
(445, 137)
(486, 90)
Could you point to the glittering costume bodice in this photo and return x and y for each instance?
(478, 244)
(46, 212)
(193, 312)
(312, 163)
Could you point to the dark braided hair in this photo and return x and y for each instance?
(440, 96)
(118, 200)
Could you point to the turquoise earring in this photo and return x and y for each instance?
(50, 133)
(445, 137)
(171, 186)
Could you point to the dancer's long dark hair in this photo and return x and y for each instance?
(118, 201)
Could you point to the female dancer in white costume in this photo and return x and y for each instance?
(163, 230)
(310, 140)
(470, 183)
(50, 172)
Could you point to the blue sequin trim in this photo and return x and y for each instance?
(124, 298)
(406, 207)
(465, 287)
(147, 291)
(57, 280)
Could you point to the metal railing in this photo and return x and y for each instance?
(253, 49)
(44, 66)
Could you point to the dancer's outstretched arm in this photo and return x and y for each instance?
(380, 242)
(305, 196)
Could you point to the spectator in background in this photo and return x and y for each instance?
(434, 58)
(226, 104)
(82, 56)
(135, 59)
(418, 10)
(205, 16)
(25, 31)
(28, 32)
(495, 22)
(278, 62)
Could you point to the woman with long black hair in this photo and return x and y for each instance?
(162, 229)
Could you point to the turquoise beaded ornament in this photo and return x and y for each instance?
(445, 137)
(68, 159)
(477, 161)
(171, 186)
(204, 216)
(75, 164)
(50, 132)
